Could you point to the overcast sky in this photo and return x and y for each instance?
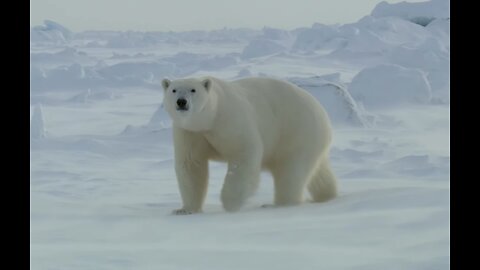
(180, 15)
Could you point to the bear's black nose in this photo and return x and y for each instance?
(181, 102)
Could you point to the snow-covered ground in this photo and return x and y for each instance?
(102, 178)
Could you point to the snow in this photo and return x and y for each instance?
(262, 47)
(422, 12)
(272, 41)
(339, 104)
(37, 125)
(319, 36)
(433, 57)
(102, 180)
(390, 85)
(51, 32)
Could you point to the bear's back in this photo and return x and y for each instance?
(285, 109)
(285, 97)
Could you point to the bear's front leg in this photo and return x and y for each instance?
(241, 181)
(191, 167)
(192, 177)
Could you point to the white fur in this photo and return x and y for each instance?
(252, 124)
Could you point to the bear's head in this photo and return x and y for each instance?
(190, 103)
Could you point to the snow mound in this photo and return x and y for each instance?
(135, 39)
(132, 39)
(66, 56)
(433, 57)
(318, 37)
(89, 96)
(63, 77)
(37, 74)
(262, 47)
(187, 63)
(82, 97)
(244, 72)
(271, 37)
(369, 35)
(440, 28)
(50, 32)
(37, 124)
(390, 85)
(218, 62)
(372, 34)
(419, 12)
(134, 72)
(77, 76)
(275, 34)
(416, 165)
(340, 106)
(160, 119)
(431, 53)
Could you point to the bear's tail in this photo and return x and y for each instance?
(323, 184)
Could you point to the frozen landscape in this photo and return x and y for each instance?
(102, 178)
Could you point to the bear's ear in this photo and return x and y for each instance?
(165, 83)
(207, 83)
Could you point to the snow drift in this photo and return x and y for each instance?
(419, 12)
(340, 106)
(37, 124)
(318, 37)
(51, 32)
(390, 85)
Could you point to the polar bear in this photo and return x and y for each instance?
(252, 124)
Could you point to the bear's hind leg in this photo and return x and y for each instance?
(323, 185)
(290, 180)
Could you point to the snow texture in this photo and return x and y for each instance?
(37, 124)
(337, 101)
(50, 32)
(388, 85)
(419, 12)
(102, 177)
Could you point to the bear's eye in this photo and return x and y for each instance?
(193, 91)
(174, 91)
